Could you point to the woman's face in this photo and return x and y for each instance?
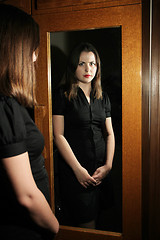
(87, 67)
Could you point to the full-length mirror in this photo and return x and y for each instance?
(108, 43)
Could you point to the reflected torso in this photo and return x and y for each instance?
(84, 130)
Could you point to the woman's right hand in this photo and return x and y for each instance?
(84, 177)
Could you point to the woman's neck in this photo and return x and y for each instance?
(86, 88)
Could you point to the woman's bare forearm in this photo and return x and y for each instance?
(40, 210)
(110, 142)
(66, 152)
(28, 195)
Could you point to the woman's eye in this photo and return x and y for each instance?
(81, 64)
(92, 63)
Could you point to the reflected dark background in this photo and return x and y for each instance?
(108, 44)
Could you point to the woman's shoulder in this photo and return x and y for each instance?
(106, 103)
(58, 101)
(58, 95)
(105, 97)
(8, 100)
(12, 126)
(9, 107)
(105, 94)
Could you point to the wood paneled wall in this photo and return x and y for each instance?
(25, 5)
(50, 6)
(150, 101)
(131, 107)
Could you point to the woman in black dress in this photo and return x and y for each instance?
(84, 136)
(25, 213)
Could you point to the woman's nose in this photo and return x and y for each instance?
(87, 68)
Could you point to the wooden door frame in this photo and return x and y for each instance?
(129, 18)
(151, 119)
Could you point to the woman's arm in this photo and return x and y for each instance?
(64, 148)
(110, 141)
(28, 195)
(101, 172)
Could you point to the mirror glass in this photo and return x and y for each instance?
(108, 43)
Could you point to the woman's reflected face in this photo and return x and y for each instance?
(87, 67)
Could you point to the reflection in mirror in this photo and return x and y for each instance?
(108, 44)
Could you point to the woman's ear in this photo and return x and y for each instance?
(34, 56)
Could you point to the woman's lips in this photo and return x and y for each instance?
(87, 76)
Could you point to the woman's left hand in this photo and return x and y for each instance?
(101, 173)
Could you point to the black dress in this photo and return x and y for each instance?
(18, 134)
(84, 126)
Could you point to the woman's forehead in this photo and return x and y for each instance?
(87, 56)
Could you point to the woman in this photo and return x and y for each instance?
(83, 134)
(24, 209)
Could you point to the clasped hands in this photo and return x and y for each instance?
(85, 179)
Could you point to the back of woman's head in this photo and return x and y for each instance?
(19, 38)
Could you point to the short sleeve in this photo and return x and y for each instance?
(107, 105)
(58, 102)
(12, 128)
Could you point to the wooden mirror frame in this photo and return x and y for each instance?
(129, 18)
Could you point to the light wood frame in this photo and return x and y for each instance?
(129, 18)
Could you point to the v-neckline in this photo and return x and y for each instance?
(89, 102)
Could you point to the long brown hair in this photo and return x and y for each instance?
(70, 81)
(19, 38)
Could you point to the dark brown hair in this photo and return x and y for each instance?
(19, 38)
(70, 81)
